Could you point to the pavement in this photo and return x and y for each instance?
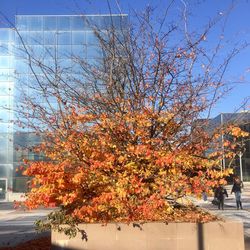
(230, 211)
(18, 225)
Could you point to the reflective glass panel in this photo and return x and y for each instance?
(94, 52)
(4, 74)
(21, 66)
(35, 37)
(91, 38)
(21, 22)
(21, 37)
(49, 37)
(64, 51)
(79, 51)
(63, 22)
(78, 37)
(49, 22)
(4, 50)
(5, 102)
(78, 23)
(37, 51)
(35, 23)
(4, 62)
(64, 37)
(49, 51)
(6, 88)
(6, 35)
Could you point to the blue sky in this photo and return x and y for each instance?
(237, 29)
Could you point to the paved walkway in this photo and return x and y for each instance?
(18, 225)
(230, 210)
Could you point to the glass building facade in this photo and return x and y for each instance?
(6, 110)
(54, 41)
(241, 119)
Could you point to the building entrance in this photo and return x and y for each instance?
(3, 189)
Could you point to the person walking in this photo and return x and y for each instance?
(236, 189)
(220, 193)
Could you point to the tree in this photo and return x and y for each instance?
(121, 135)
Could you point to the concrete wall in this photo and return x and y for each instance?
(10, 196)
(155, 236)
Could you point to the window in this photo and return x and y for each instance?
(91, 38)
(63, 23)
(4, 62)
(78, 23)
(49, 23)
(34, 23)
(4, 75)
(78, 37)
(4, 49)
(37, 51)
(21, 22)
(21, 66)
(64, 51)
(79, 51)
(94, 52)
(35, 37)
(49, 37)
(64, 37)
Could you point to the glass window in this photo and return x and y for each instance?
(64, 51)
(6, 88)
(4, 62)
(35, 37)
(4, 35)
(64, 38)
(91, 38)
(119, 22)
(49, 37)
(78, 37)
(35, 23)
(79, 51)
(5, 102)
(4, 114)
(78, 23)
(3, 168)
(49, 51)
(65, 64)
(50, 64)
(5, 49)
(21, 22)
(94, 52)
(21, 66)
(77, 68)
(4, 74)
(4, 128)
(63, 23)
(93, 21)
(22, 37)
(49, 22)
(37, 51)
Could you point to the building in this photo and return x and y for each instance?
(47, 37)
(241, 163)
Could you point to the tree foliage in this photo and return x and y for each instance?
(124, 140)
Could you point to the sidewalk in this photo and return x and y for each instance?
(230, 210)
(17, 226)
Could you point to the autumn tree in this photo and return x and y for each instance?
(121, 134)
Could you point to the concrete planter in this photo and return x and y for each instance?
(156, 236)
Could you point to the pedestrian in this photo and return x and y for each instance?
(220, 193)
(236, 189)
